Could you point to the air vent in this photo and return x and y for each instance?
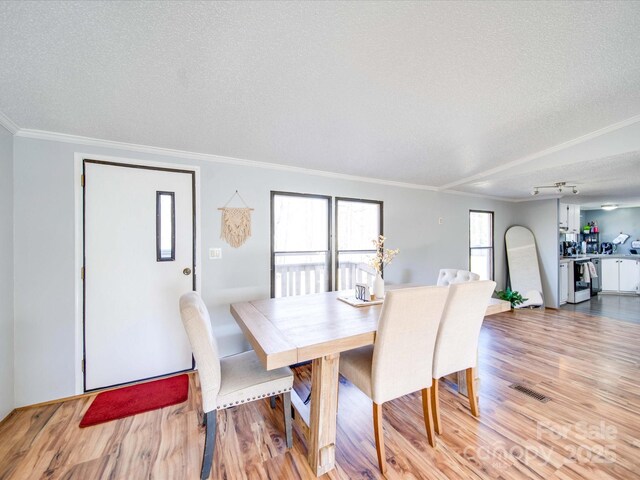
(531, 393)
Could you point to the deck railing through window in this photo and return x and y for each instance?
(305, 278)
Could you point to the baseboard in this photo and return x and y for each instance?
(9, 415)
(94, 392)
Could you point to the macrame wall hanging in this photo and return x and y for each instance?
(236, 222)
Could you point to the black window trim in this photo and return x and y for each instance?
(336, 251)
(159, 219)
(493, 241)
(273, 253)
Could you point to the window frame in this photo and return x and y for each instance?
(493, 241)
(336, 250)
(159, 223)
(273, 253)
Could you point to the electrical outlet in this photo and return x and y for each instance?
(215, 253)
(441, 221)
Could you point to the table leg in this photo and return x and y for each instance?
(324, 407)
(462, 382)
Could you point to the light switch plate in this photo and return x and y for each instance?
(215, 253)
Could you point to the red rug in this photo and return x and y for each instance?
(144, 397)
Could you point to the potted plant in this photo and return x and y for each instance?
(511, 296)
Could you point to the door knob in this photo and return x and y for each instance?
(187, 271)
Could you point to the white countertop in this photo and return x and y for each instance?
(585, 257)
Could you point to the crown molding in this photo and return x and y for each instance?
(543, 153)
(8, 124)
(207, 157)
(481, 195)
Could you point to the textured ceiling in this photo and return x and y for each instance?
(599, 181)
(425, 93)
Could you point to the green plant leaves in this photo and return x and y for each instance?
(511, 296)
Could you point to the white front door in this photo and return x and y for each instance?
(138, 258)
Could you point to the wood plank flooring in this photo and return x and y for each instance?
(588, 365)
(620, 307)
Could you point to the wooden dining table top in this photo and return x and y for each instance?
(290, 330)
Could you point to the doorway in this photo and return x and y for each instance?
(139, 257)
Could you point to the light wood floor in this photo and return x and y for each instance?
(620, 307)
(588, 365)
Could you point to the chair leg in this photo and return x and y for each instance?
(209, 444)
(272, 401)
(428, 416)
(379, 434)
(471, 391)
(286, 407)
(435, 405)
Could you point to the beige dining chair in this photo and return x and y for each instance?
(400, 360)
(447, 276)
(456, 346)
(229, 381)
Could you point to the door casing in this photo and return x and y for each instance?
(79, 243)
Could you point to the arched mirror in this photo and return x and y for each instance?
(524, 272)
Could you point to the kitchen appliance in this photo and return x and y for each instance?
(596, 282)
(568, 249)
(606, 248)
(579, 290)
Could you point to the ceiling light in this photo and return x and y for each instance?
(609, 206)
(559, 186)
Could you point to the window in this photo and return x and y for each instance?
(165, 226)
(358, 223)
(302, 260)
(300, 244)
(481, 243)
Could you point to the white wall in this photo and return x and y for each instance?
(6, 273)
(541, 217)
(44, 248)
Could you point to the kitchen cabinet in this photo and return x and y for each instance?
(610, 277)
(620, 275)
(569, 218)
(629, 273)
(564, 283)
(563, 217)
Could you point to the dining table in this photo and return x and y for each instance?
(317, 328)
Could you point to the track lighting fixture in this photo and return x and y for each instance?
(558, 186)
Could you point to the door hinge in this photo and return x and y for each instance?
(82, 365)
(82, 273)
(82, 180)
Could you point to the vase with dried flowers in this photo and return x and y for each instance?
(383, 257)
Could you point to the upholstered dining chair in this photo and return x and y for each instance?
(456, 346)
(447, 276)
(229, 381)
(400, 360)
